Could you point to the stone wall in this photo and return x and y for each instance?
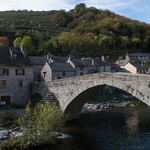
(18, 94)
(72, 93)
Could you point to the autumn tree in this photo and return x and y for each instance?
(4, 41)
(62, 18)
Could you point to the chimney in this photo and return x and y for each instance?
(92, 62)
(48, 58)
(103, 58)
(23, 51)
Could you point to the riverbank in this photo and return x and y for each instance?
(90, 107)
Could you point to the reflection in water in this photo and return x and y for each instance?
(132, 122)
(115, 129)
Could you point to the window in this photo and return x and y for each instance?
(4, 71)
(64, 73)
(20, 71)
(44, 74)
(14, 56)
(81, 73)
(20, 83)
(5, 99)
(81, 68)
(3, 83)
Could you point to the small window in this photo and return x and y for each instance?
(44, 74)
(81, 68)
(3, 84)
(20, 71)
(14, 56)
(81, 73)
(64, 73)
(20, 83)
(4, 71)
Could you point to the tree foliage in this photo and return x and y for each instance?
(94, 26)
(4, 41)
(39, 127)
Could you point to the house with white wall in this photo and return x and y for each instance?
(135, 68)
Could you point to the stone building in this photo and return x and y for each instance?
(53, 71)
(128, 66)
(37, 63)
(16, 76)
(138, 57)
(85, 66)
(135, 68)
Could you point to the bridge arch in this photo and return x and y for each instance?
(70, 91)
(35, 98)
(75, 106)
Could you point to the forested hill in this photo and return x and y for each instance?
(81, 31)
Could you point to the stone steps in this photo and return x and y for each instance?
(51, 98)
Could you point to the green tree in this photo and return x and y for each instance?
(48, 48)
(27, 42)
(61, 18)
(17, 42)
(39, 127)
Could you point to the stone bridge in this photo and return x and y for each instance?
(73, 93)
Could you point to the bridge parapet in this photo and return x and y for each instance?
(73, 92)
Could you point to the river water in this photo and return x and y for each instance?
(126, 128)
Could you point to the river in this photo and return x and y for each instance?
(126, 128)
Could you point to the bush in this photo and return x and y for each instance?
(40, 126)
(7, 119)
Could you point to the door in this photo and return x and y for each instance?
(5, 99)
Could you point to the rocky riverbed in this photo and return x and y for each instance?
(91, 107)
(5, 133)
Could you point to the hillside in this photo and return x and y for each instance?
(81, 31)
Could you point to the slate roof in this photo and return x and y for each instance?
(7, 60)
(61, 67)
(37, 60)
(88, 62)
(59, 59)
(122, 62)
(99, 62)
(138, 54)
(78, 62)
(138, 66)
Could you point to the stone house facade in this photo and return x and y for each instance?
(16, 76)
(138, 57)
(37, 63)
(85, 66)
(54, 71)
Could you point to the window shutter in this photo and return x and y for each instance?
(23, 72)
(7, 71)
(16, 72)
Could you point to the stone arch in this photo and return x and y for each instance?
(35, 98)
(74, 108)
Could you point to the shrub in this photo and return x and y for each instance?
(40, 126)
(7, 119)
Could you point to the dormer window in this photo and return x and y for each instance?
(14, 55)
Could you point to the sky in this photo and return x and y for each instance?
(133, 9)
